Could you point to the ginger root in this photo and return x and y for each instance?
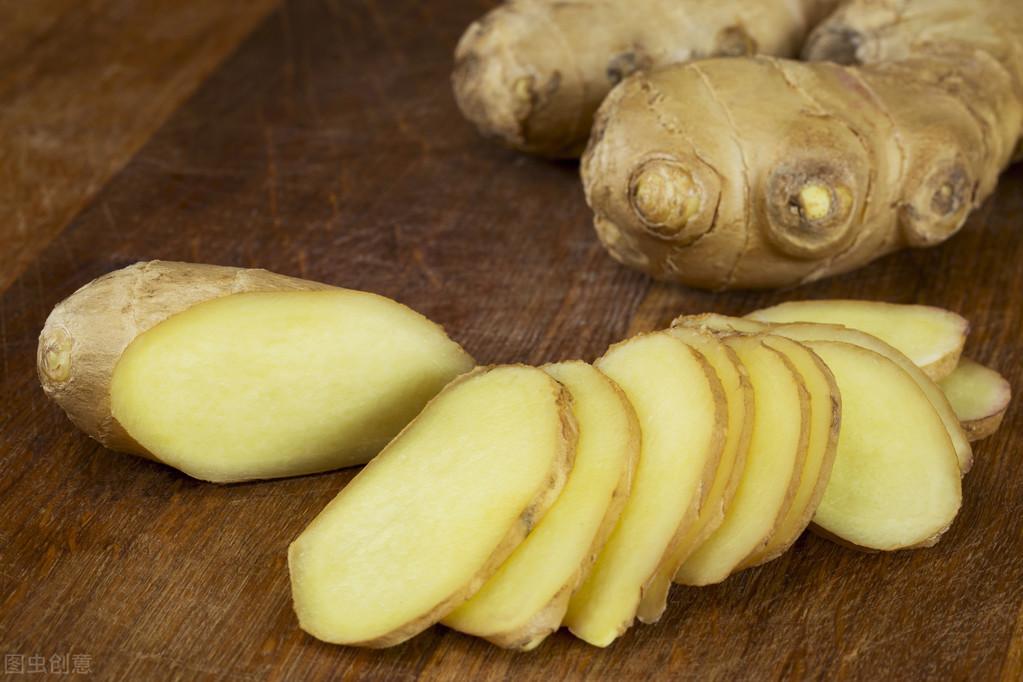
(531, 73)
(232, 374)
(783, 172)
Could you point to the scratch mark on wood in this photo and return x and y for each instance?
(271, 172)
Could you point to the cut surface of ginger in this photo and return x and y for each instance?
(805, 332)
(681, 408)
(896, 481)
(978, 395)
(265, 384)
(929, 336)
(774, 464)
(526, 599)
(431, 518)
(822, 445)
(739, 429)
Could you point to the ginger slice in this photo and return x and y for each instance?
(825, 420)
(717, 322)
(682, 413)
(431, 518)
(739, 401)
(527, 598)
(773, 470)
(265, 384)
(895, 483)
(805, 331)
(931, 337)
(978, 395)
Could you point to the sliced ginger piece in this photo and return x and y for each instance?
(805, 331)
(822, 446)
(774, 463)
(431, 518)
(931, 337)
(265, 384)
(682, 413)
(979, 396)
(721, 323)
(896, 482)
(739, 430)
(528, 596)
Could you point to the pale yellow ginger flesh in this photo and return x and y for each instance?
(979, 396)
(267, 384)
(739, 430)
(527, 598)
(825, 420)
(267, 381)
(896, 481)
(773, 465)
(682, 413)
(931, 337)
(815, 201)
(434, 515)
(804, 331)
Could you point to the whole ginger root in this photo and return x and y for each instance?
(531, 73)
(766, 172)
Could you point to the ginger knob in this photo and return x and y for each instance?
(54, 359)
(938, 206)
(665, 197)
(809, 209)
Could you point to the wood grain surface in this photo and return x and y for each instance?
(319, 139)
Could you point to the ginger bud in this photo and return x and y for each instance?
(809, 209)
(665, 197)
(938, 206)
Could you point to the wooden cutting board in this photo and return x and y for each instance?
(320, 139)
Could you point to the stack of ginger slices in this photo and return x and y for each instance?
(525, 499)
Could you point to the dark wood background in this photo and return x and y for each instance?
(319, 138)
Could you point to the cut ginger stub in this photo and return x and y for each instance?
(429, 520)
(265, 384)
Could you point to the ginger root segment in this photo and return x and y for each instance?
(967, 67)
(232, 374)
(531, 73)
(818, 168)
(775, 201)
(427, 522)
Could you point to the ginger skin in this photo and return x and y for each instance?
(531, 73)
(804, 170)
